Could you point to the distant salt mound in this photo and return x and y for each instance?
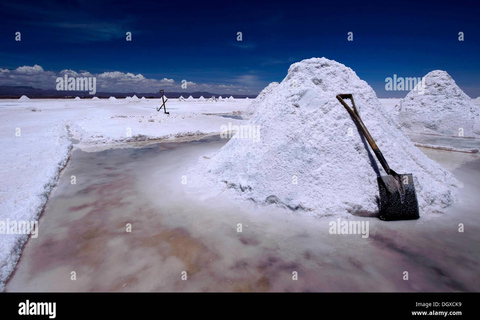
(143, 99)
(247, 98)
(95, 98)
(231, 98)
(24, 98)
(190, 98)
(211, 99)
(181, 98)
(442, 109)
(201, 99)
(309, 156)
(220, 98)
(77, 99)
(128, 98)
(254, 105)
(112, 99)
(135, 98)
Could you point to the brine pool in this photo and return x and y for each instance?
(121, 220)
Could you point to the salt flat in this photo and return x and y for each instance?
(37, 138)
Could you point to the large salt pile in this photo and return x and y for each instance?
(135, 98)
(181, 98)
(231, 98)
(24, 98)
(201, 99)
(211, 99)
(259, 99)
(441, 108)
(302, 149)
(190, 98)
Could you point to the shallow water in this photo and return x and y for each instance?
(455, 142)
(84, 230)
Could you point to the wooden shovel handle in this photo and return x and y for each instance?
(363, 128)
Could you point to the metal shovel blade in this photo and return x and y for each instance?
(398, 199)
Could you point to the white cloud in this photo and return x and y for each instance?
(36, 69)
(117, 81)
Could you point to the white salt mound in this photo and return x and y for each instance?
(134, 98)
(443, 108)
(211, 99)
(181, 98)
(307, 137)
(24, 98)
(190, 98)
(112, 99)
(259, 99)
(231, 98)
(201, 98)
(77, 98)
(95, 98)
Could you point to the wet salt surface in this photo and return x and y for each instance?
(455, 142)
(83, 229)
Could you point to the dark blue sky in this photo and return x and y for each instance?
(196, 40)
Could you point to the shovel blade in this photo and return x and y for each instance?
(398, 199)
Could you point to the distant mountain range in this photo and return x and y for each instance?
(15, 92)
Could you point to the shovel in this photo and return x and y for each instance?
(398, 200)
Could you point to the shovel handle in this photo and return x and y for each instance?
(371, 142)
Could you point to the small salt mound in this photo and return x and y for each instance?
(143, 99)
(77, 98)
(128, 98)
(220, 98)
(134, 98)
(181, 98)
(95, 98)
(112, 99)
(24, 98)
(259, 99)
(247, 98)
(211, 99)
(231, 98)
(308, 154)
(190, 98)
(443, 108)
(201, 98)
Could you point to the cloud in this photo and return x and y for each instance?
(36, 69)
(117, 81)
(74, 21)
(244, 45)
(272, 61)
